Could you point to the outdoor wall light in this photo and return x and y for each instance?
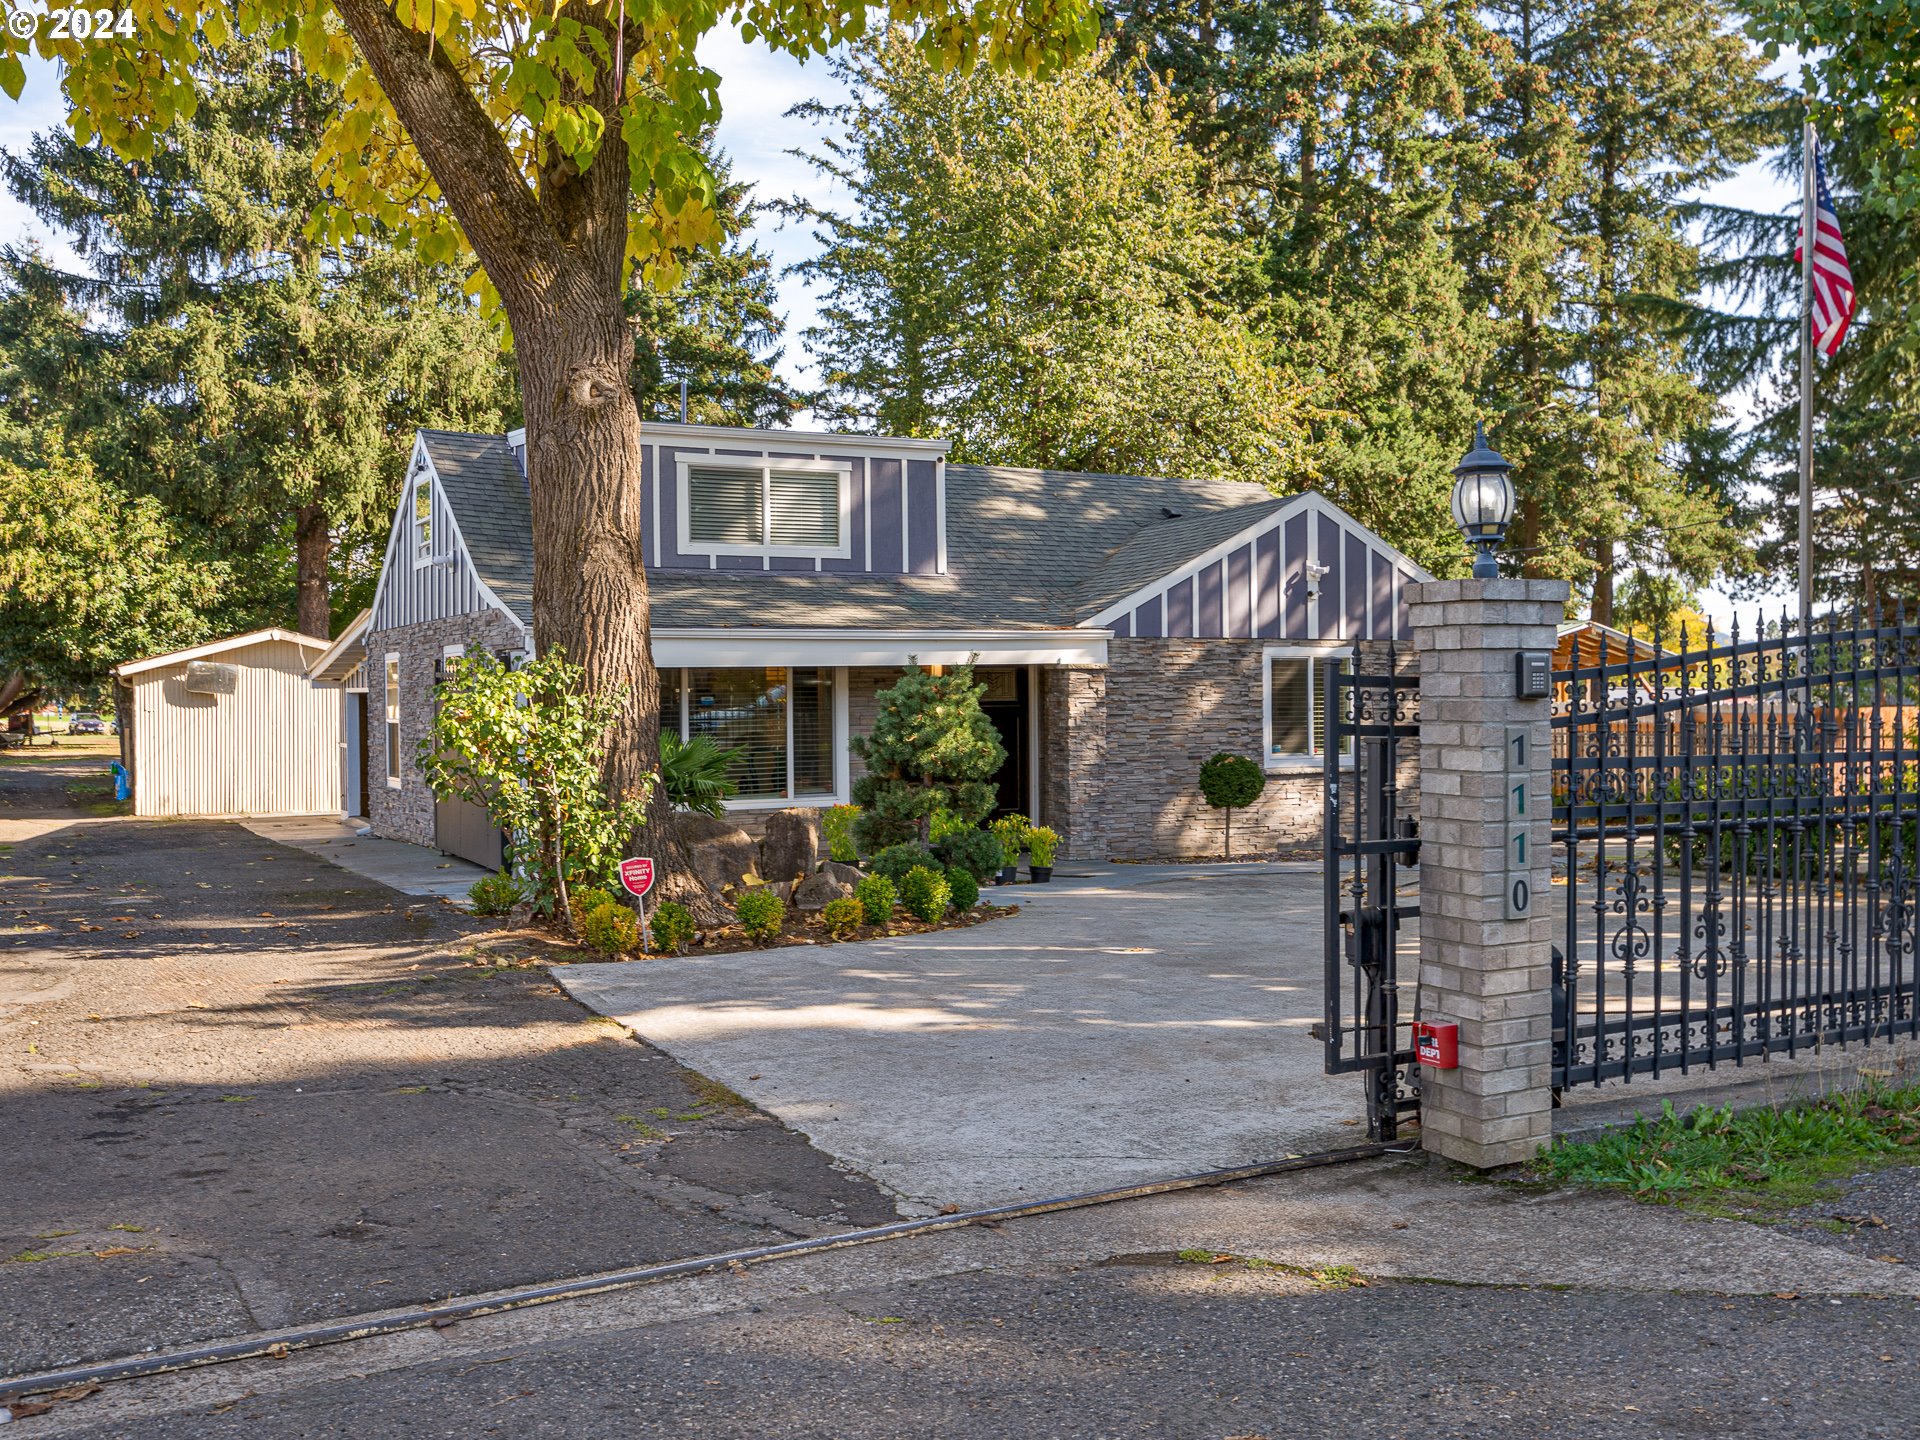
(1483, 503)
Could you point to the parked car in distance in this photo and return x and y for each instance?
(87, 723)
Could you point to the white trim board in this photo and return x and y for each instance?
(219, 647)
(737, 648)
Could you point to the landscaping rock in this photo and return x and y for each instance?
(815, 891)
(791, 845)
(724, 856)
(848, 875)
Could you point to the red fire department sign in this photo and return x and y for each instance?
(637, 875)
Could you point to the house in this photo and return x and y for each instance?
(230, 728)
(1126, 628)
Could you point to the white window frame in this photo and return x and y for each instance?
(390, 716)
(1315, 756)
(422, 543)
(841, 781)
(764, 468)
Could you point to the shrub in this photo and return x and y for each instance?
(612, 929)
(1011, 832)
(896, 860)
(583, 900)
(1229, 783)
(495, 894)
(931, 747)
(974, 851)
(697, 773)
(876, 896)
(942, 823)
(842, 917)
(925, 894)
(836, 828)
(1041, 843)
(963, 891)
(761, 914)
(673, 925)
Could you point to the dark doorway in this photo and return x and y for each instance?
(1005, 704)
(357, 799)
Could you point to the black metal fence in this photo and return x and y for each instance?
(1372, 855)
(1734, 832)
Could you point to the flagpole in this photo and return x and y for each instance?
(1808, 230)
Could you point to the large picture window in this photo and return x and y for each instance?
(774, 508)
(1295, 704)
(786, 723)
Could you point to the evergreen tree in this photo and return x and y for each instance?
(931, 748)
(1032, 269)
(263, 389)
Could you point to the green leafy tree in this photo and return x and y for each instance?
(1033, 269)
(559, 147)
(89, 576)
(215, 356)
(529, 746)
(931, 748)
(1229, 783)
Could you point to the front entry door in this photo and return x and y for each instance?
(1005, 704)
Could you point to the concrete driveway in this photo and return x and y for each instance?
(1133, 1022)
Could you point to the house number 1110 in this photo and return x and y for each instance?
(1519, 823)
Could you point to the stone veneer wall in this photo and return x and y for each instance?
(1122, 750)
(407, 813)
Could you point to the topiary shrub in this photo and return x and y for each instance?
(876, 895)
(963, 891)
(836, 828)
(1042, 842)
(612, 929)
(975, 851)
(1229, 783)
(842, 917)
(924, 893)
(761, 914)
(896, 860)
(495, 894)
(673, 926)
(930, 748)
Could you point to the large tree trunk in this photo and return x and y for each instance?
(556, 256)
(312, 546)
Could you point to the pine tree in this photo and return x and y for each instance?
(931, 748)
(263, 389)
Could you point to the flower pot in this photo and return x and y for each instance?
(1040, 874)
(1008, 874)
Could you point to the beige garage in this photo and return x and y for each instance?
(232, 727)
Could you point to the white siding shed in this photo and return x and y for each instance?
(233, 727)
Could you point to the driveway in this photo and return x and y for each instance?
(1132, 1023)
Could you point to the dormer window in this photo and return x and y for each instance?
(775, 507)
(422, 521)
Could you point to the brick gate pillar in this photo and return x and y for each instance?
(1486, 932)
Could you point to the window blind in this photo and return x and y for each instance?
(723, 506)
(806, 508)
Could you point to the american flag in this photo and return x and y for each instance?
(1832, 279)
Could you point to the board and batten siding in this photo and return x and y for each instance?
(408, 593)
(1258, 587)
(270, 748)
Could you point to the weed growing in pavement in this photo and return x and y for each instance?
(1326, 1277)
(641, 1127)
(1752, 1164)
(711, 1094)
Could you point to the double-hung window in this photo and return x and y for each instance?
(787, 723)
(1296, 704)
(775, 507)
(393, 722)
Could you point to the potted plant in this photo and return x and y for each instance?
(1011, 832)
(1041, 843)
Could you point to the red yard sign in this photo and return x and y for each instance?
(637, 875)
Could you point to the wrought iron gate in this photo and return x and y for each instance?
(1372, 727)
(1734, 833)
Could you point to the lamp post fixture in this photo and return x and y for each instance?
(1483, 502)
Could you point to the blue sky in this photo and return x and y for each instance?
(757, 89)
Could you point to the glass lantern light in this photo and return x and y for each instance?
(1483, 502)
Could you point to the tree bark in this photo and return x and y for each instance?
(556, 258)
(1601, 610)
(312, 545)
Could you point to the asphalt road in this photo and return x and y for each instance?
(243, 1088)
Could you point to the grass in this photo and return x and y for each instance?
(1752, 1165)
(1326, 1277)
(641, 1127)
(711, 1094)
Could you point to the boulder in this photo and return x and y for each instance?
(724, 856)
(815, 891)
(849, 875)
(791, 845)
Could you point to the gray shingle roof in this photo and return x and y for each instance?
(1026, 549)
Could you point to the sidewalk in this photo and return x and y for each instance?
(410, 869)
